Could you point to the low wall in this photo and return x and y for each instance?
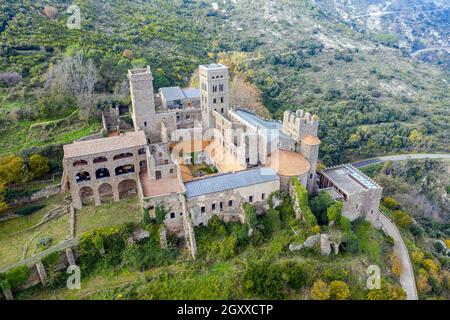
(41, 194)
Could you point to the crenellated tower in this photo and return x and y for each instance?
(300, 124)
(302, 127)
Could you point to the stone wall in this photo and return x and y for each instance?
(41, 194)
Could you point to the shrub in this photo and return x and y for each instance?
(416, 230)
(3, 204)
(391, 203)
(250, 215)
(334, 212)
(417, 257)
(378, 294)
(160, 214)
(44, 242)
(339, 290)
(320, 291)
(263, 279)
(319, 205)
(104, 244)
(271, 222)
(396, 266)
(402, 219)
(146, 217)
(430, 265)
(302, 198)
(295, 275)
(334, 273)
(29, 210)
(15, 278)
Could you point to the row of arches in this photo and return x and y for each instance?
(104, 173)
(126, 188)
(102, 159)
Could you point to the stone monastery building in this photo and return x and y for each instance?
(187, 129)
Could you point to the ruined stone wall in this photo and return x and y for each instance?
(299, 124)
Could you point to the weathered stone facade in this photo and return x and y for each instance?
(171, 132)
(98, 170)
(360, 194)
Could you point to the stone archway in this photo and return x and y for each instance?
(127, 188)
(105, 192)
(86, 195)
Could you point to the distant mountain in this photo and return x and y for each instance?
(419, 27)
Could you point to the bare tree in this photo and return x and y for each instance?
(10, 78)
(75, 76)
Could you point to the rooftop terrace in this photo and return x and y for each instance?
(266, 126)
(349, 179)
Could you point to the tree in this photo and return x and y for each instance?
(423, 286)
(334, 212)
(415, 137)
(402, 219)
(319, 206)
(396, 266)
(38, 166)
(391, 203)
(339, 290)
(9, 78)
(430, 265)
(320, 291)
(247, 95)
(76, 76)
(3, 205)
(11, 169)
(50, 12)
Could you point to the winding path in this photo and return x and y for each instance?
(401, 157)
(407, 279)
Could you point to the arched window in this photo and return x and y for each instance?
(123, 156)
(129, 168)
(100, 160)
(102, 173)
(80, 163)
(82, 176)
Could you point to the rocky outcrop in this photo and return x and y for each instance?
(326, 245)
(309, 243)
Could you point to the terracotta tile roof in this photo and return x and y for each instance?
(103, 145)
(311, 140)
(288, 163)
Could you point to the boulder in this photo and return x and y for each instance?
(325, 244)
(309, 243)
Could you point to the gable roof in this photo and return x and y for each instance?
(171, 93)
(97, 146)
(229, 181)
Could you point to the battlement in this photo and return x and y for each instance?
(299, 124)
(140, 74)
